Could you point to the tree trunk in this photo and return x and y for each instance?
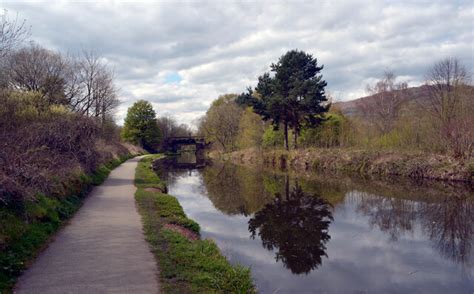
(286, 136)
(295, 139)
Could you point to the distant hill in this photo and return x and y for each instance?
(349, 108)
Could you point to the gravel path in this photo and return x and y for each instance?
(101, 250)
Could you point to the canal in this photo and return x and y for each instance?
(327, 234)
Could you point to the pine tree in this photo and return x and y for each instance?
(294, 96)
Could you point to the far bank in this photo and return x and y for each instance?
(415, 165)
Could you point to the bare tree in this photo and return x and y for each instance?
(170, 128)
(37, 69)
(104, 95)
(12, 33)
(383, 108)
(74, 87)
(89, 69)
(450, 102)
(85, 84)
(90, 87)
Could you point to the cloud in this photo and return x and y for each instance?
(182, 55)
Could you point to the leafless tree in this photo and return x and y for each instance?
(450, 102)
(73, 87)
(166, 126)
(95, 93)
(104, 95)
(12, 33)
(383, 108)
(170, 128)
(85, 83)
(89, 69)
(37, 69)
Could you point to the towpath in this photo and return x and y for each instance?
(101, 250)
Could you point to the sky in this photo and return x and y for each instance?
(181, 55)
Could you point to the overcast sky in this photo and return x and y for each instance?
(182, 55)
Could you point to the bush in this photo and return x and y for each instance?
(272, 138)
(334, 132)
(41, 147)
(44, 146)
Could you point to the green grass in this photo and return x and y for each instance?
(26, 229)
(186, 266)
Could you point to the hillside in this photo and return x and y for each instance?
(350, 107)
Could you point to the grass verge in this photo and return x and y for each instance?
(187, 265)
(26, 229)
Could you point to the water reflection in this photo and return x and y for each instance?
(234, 191)
(376, 236)
(445, 217)
(448, 221)
(450, 226)
(393, 216)
(172, 167)
(296, 227)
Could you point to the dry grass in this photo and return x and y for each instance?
(416, 165)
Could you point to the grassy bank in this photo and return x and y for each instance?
(26, 228)
(363, 162)
(187, 263)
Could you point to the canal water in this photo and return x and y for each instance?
(325, 234)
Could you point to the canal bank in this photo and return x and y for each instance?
(186, 262)
(374, 163)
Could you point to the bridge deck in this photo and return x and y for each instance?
(172, 143)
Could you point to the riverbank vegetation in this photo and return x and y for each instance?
(374, 163)
(423, 131)
(58, 139)
(187, 263)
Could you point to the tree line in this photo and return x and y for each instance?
(291, 101)
(83, 84)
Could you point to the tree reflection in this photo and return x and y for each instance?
(450, 225)
(235, 190)
(448, 221)
(390, 215)
(295, 226)
(170, 168)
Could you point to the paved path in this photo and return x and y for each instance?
(102, 250)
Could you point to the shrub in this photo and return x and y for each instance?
(42, 146)
(272, 138)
